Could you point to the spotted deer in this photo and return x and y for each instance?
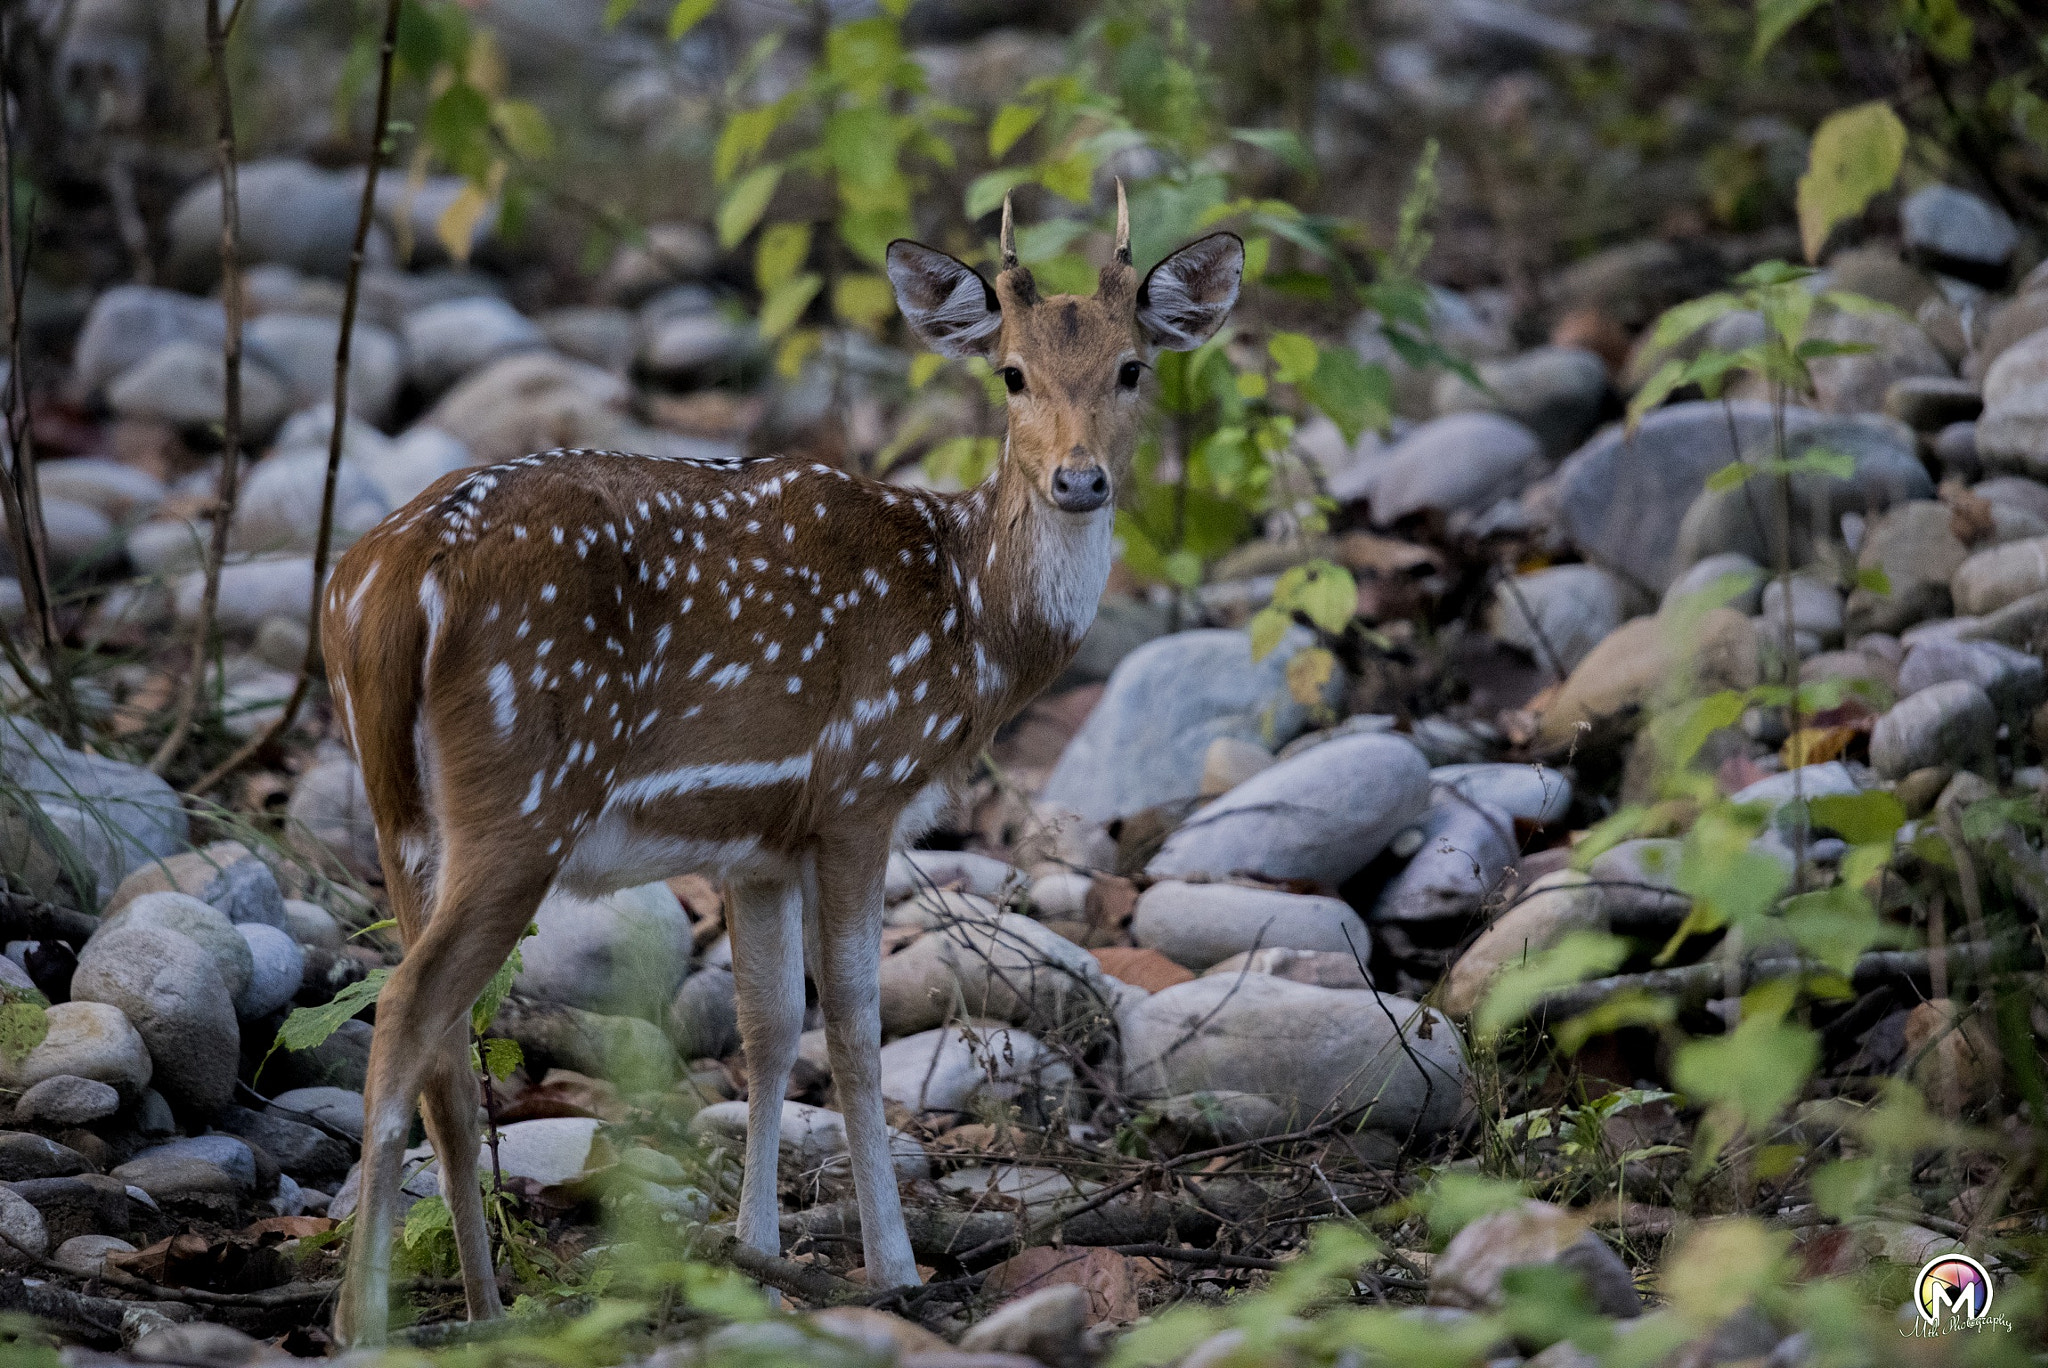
(596, 669)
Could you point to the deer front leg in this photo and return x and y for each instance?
(849, 933)
(768, 979)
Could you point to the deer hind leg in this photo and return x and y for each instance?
(481, 908)
(768, 980)
(448, 1105)
(847, 966)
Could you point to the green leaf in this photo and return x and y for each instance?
(864, 300)
(1846, 1188)
(616, 10)
(1683, 320)
(861, 141)
(1295, 355)
(1683, 737)
(1071, 177)
(985, 192)
(1655, 391)
(1012, 122)
(745, 203)
(1865, 818)
(1165, 1338)
(1875, 580)
(1942, 25)
(1774, 19)
(779, 254)
(1731, 476)
(485, 1009)
(1327, 593)
(525, 129)
(1283, 143)
(1580, 956)
(1267, 627)
(1353, 394)
(1753, 1071)
(1833, 925)
(1455, 1200)
(923, 367)
(308, 1026)
(687, 15)
(501, 1056)
(457, 126)
(23, 1023)
(1855, 157)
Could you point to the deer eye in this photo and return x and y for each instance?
(1013, 379)
(1127, 374)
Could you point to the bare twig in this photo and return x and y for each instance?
(366, 211)
(22, 494)
(231, 400)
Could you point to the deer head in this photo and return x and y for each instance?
(1073, 364)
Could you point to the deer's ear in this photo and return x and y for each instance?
(947, 303)
(1186, 297)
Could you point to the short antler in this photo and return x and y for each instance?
(1008, 240)
(1123, 224)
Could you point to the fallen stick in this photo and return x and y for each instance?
(1696, 983)
(814, 1285)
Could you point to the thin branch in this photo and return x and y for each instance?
(231, 400)
(23, 494)
(365, 214)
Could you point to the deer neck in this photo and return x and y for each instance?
(1040, 574)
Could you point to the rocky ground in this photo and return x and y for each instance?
(1196, 964)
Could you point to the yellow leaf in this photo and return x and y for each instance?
(923, 367)
(486, 64)
(1815, 745)
(864, 300)
(1855, 157)
(458, 222)
(780, 254)
(1268, 625)
(795, 349)
(1309, 674)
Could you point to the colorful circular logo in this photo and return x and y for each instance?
(1952, 1285)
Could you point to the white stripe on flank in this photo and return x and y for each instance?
(502, 709)
(743, 774)
(432, 605)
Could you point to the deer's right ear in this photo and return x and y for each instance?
(947, 303)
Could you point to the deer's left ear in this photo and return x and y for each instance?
(946, 302)
(1186, 297)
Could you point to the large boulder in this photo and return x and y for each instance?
(184, 384)
(1999, 575)
(447, 340)
(1623, 497)
(1466, 849)
(1145, 741)
(961, 1069)
(1322, 814)
(137, 815)
(1952, 723)
(622, 954)
(1010, 969)
(281, 502)
(170, 989)
(300, 348)
(1959, 233)
(1197, 925)
(1318, 1053)
(292, 213)
(129, 322)
(87, 1040)
(1646, 656)
(1460, 463)
(205, 926)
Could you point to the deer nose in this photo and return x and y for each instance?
(1080, 491)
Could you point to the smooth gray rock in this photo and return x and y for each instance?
(2012, 679)
(1623, 498)
(139, 813)
(246, 892)
(1557, 615)
(205, 926)
(447, 340)
(292, 213)
(311, 924)
(684, 336)
(1916, 547)
(530, 401)
(184, 384)
(602, 336)
(2014, 435)
(88, 1040)
(1313, 1051)
(957, 1069)
(300, 348)
(1010, 969)
(1716, 576)
(1322, 815)
(251, 592)
(1531, 793)
(67, 1100)
(1555, 392)
(914, 871)
(277, 966)
(121, 493)
(1812, 781)
(1638, 882)
(703, 1019)
(336, 1108)
(1318, 968)
(210, 1165)
(415, 459)
(85, 1255)
(1950, 229)
(280, 504)
(1145, 741)
(331, 811)
(1951, 723)
(1859, 382)
(1816, 606)
(306, 1152)
(23, 1227)
(128, 322)
(1998, 575)
(623, 954)
(1198, 924)
(170, 988)
(1464, 462)
(1466, 849)
(24, 1157)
